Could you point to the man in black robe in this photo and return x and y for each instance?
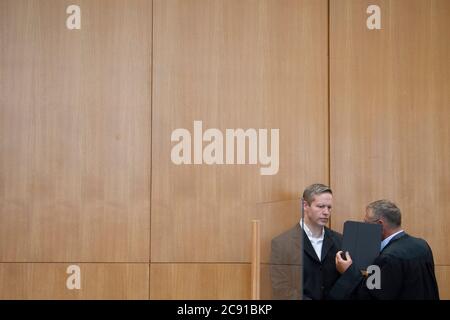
(406, 263)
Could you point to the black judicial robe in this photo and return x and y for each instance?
(318, 275)
(407, 273)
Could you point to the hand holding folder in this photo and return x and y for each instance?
(362, 241)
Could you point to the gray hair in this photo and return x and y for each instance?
(313, 190)
(388, 210)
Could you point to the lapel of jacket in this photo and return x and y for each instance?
(327, 243)
(308, 248)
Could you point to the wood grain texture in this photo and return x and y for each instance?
(98, 281)
(276, 217)
(390, 99)
(75, 131)
(234, 64)
(256, 260)
(443, 279)
(199, 281)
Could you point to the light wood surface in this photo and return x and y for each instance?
(200, 281)
(390, 98)
(234, 64)
(276, 217)
(256, 260)
(83, 179)
(75, 131)
(443, 278)
(98, 281)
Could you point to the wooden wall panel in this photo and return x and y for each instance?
(390, 98)
(75, 131)
(275, 218)
(443, 278)
(203, 281)
(98, 281)
(234, 64)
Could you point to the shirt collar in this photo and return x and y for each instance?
(385, 242)
(308, 230)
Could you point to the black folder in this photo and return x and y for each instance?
(362, 241)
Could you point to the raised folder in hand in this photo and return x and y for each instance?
(362, 241)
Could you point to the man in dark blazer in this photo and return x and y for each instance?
(406, 263)
(320, 245)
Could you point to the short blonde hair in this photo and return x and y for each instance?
(313, 190)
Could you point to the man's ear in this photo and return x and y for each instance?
(383, 224)
(305, 204)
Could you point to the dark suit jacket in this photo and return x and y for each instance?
(407, 272)
(286, 261)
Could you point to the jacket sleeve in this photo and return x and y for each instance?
(344, 288)
(353, 285)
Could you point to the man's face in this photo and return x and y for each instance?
(318, 213)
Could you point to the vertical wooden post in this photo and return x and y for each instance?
(256, 259)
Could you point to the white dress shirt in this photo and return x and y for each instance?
(315, 242)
